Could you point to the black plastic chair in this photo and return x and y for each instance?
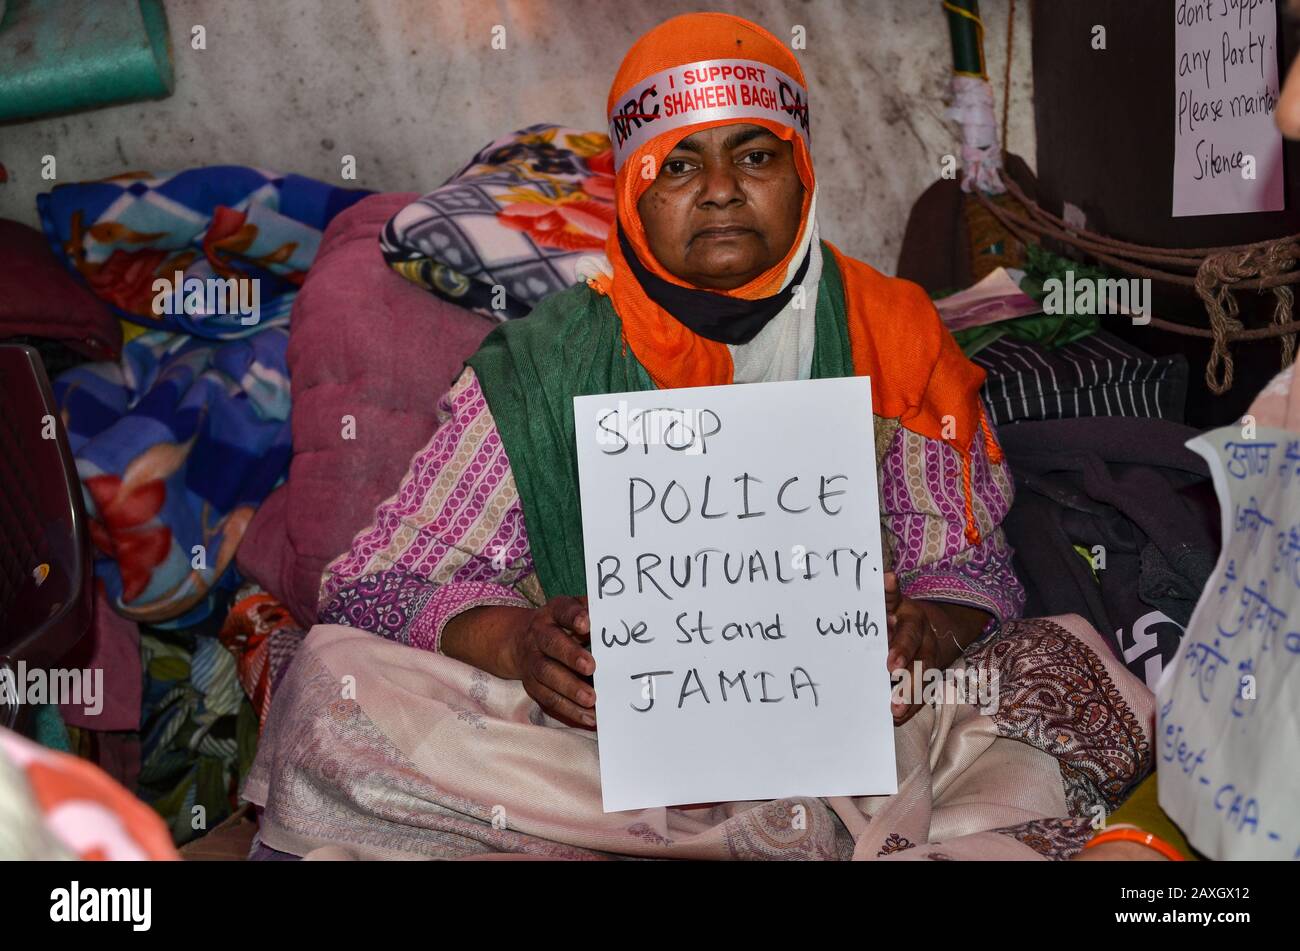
(45, 571)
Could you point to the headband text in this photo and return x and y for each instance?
(702, 92)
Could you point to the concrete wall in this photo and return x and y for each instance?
(412, 88)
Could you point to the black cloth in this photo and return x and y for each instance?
(716, 317)
(1100, 375)
(1130, 486)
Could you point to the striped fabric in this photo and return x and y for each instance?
(1099, 375)
(456, 516)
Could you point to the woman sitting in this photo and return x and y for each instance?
(481, 739)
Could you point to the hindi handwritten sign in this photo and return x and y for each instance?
(1227, 149)
(1228, 715)
(736, 594)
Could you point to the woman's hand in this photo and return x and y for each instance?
(547, 655)
(911, 638)
(934, 633)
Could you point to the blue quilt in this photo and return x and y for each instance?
(178, 443)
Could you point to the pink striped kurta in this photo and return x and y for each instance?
(453, 536)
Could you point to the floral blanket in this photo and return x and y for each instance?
(122, 234)
(513, 225)
(179, 442)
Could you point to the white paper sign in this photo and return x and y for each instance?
(1227, 149)
(1228, 728)
(736, 594)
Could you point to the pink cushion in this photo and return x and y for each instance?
(363, 343)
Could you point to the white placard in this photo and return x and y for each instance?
(732, 538)
(1228, 727)
(1227, 148)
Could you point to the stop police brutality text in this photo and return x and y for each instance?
(687, 570)
(676, 503)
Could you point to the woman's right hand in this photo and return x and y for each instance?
(548, 657)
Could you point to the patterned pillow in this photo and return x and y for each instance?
(519, 217)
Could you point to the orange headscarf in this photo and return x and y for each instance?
(673, 354)
(919, 374)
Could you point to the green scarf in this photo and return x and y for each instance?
(571, 345)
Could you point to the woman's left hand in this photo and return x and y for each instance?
(911, 638)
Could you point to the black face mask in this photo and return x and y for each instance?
(713, 316)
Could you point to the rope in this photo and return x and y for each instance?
(968, 505)
(1215, 279)
(1118, 253)
(1216, 274)
(990, 441)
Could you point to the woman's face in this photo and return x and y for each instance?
(724, 207)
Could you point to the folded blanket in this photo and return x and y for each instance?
(176, 446)
(222, 221)
(179, 442)
(513, 225)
